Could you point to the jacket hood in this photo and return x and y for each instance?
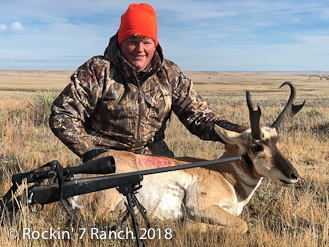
(114, 55)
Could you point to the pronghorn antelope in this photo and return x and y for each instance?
(215, 193)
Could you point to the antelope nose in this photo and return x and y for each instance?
(294, 175)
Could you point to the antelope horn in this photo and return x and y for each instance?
(290, 110)
(254, 117)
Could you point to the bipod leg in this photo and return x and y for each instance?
(142, 210)
(128, 191)
(134, 219)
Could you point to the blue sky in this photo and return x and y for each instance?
(202, 35)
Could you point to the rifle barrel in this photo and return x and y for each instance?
(180, 167)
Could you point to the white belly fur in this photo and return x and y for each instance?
(162, 194)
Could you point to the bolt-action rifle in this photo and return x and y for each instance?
(66, 185)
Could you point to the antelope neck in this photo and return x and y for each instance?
(247, 160)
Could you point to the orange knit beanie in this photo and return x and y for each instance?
(138, 19)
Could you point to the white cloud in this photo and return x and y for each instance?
(316, 40)
(16, 26)
(3, 27)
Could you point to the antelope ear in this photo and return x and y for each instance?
(228, 136)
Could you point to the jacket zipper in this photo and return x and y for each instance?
(139, 116)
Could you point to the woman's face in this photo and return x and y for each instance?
(138, 52)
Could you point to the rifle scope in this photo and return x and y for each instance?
(105, 165)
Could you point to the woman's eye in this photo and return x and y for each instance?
(257, 149)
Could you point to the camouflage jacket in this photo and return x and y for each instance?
(110, 105)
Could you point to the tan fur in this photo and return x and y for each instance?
(215, 194)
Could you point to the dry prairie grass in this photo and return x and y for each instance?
(276, 216)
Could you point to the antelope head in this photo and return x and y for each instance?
(258, 145)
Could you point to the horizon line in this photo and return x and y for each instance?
(203, 71)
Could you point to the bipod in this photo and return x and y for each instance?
(129, 192)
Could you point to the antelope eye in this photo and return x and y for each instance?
(257, 149)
